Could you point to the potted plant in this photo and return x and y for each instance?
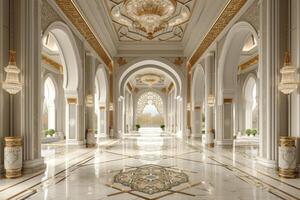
(162, 127)
(248, 132)
(137, 127)
(49, 132)
(254, 132)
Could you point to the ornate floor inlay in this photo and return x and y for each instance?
(151, 179)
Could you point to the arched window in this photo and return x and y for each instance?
(150, 109)
(251, 120)
(49, 115)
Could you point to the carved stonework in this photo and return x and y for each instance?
(178, 61)
(224, 18)
(121, 61)
(48, 15)
(252, 15)
(69, 9)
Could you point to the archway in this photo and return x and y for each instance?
(251, 104)
(101, 101)
(49, 107)
(65, 47)
(158, 67)
(197, 108)
(228, 99)
(150, 110)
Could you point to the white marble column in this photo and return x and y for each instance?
(209, 69)
(272, 115)
(28, 107)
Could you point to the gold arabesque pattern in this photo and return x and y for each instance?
(231, 9)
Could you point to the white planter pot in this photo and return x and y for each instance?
(287, 157)
(13, 157)
(90, 138)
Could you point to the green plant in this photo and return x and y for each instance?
(137, 126)
(162, 126)
(49, 132)
(254, 132)
(248, 132)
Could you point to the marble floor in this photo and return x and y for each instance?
(150, 165)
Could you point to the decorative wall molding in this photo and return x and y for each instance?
(52, 63)
(230, 10)
(248, 63)
(72, 101)
(73, 14)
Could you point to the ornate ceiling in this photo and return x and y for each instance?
(150, 20)
(150, 78)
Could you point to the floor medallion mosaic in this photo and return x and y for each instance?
(151, 179)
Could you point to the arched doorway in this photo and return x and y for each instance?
(251, 104)
(241, 45)
(60, 49)
(101, 102)
(197, 108)
(150, 112)
(49, 108)
(158, 74)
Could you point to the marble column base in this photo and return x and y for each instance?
(265, 163)
(225, 142)
(32, 166)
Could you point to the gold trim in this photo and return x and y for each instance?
(73, 14)
(287, 173)
(13, 141)
(227, 100)
(210, 145)
(197, 108)
(287, 141)
(52, 63)
(248, 63)
(72, 101)
(230, 10)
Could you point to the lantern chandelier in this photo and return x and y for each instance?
(289, 82)
(149, 16)
(12, 83)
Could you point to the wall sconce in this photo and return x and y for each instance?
(12, 83)
(211, 100)
(111, 106)
(89, 101)
(289, 82)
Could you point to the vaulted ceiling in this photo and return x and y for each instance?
(120, 35)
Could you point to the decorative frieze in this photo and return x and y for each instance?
(231, 9)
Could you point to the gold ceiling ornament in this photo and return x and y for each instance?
(289, 82)
(150, 79)
(149, 18)
(228, 13)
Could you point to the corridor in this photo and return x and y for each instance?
(149, 165)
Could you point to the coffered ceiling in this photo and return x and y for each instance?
(177, 29)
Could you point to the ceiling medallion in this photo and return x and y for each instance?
(150, 79)
(149, 18)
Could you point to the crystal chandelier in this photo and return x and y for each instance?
(150, 16)
(211, 100)
(12, 83)
(289, 82)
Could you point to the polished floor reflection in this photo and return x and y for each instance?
(150, 165)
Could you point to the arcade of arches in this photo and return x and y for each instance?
(143, 99)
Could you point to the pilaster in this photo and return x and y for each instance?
(273, 39)
(27, 105)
